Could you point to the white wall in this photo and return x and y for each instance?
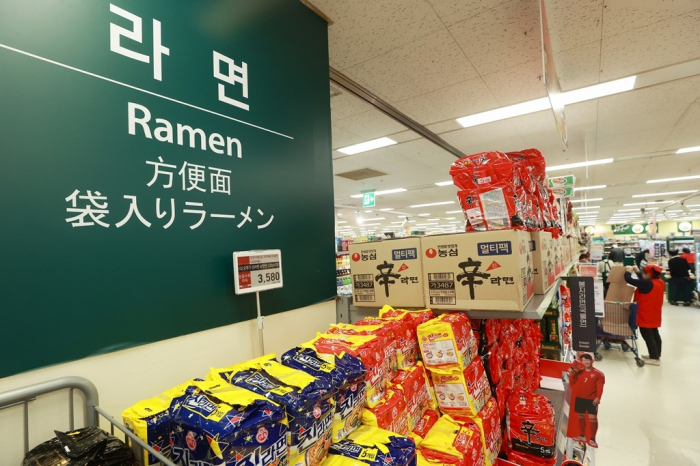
(127, 376)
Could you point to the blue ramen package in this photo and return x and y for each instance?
(219, 424)
(346, 375)
(374, 447)
(308, 401)
(150, 420)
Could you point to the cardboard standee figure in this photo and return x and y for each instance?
(586, 391)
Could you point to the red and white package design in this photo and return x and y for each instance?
(423, 426)
(404, 336)
(447, 341)
(412, 384)
(462, 392)
(531, 428)
(489, 422)
(454, 442)
(385, 331)
(389, 414)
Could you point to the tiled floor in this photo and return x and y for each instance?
(651, 415)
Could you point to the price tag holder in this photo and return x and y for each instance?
(255, 271)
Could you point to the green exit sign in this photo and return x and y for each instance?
(368, 200)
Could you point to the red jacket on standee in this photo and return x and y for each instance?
(588, 384)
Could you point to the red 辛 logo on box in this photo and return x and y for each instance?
(430, 252)
(402, 268)
(494, 265)
(356, 257)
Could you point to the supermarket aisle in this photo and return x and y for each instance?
(651, 415)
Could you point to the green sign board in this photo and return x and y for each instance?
(142, 143)
(368, 200)
(560, 181)
(685, 227)
(631, 229)
(566, 191)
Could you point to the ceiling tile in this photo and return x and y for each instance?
(578, 67)
(685, 133)
(500, 136)
(428, 154)
(343, 138)
(364, 29)
(450, 102)
(454, 11)
(611, 143)
(425, 65)
(572, 24)
(621, 16)
(659, 44)
(346, 105)
(517, 84)
(508, 34)
(369, 125)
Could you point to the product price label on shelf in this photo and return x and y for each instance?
(255, 271)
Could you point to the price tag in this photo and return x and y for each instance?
(255, 271)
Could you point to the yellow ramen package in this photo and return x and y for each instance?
(150, 420)
(308, 401)
(447, 341)
(462, 392)
(453, 442)
(371, 446)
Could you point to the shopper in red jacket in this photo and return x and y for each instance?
(587, 390)
(650, 299)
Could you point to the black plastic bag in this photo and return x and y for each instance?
(89, 446)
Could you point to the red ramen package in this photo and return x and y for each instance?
(414, 387)
(453, 442)
(531, 427)
(489, 422)
(386, 332)
(369, 349)
(423, 426)
(389, 414)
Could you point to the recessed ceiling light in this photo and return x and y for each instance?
(424, 215)
(637, 210)
(417, 206)
(340, 215)
(370, 224)
(387, 209)
(586, 188)
(368, 211)
(454, 212)
(579, 164)
(381, 193)
(674, 211)
(587, 200)
(599, 90)
(647, 203)
(343, 221)
(444, 183)
(685, 150)
(368, 145)
(588, 207)
(680, 178)
(503, 113)
(666, 194)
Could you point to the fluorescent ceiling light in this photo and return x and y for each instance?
(587, 200)
(417, 206)
(674, 211)
(503, 113)
(340, 215)
(370, 224)
(449, 218)
(680, 178)
(588, 207)
(579, 164)
(685, 150)
(445, 183)
(454, 212)
(387, 209)
(374, 219)
(368, 211)
(381, 193)
(637, 210)
(666, 194)
(647, 203)
(598, 90)
(397, 223)
(368, 145)
(424, 215)
(344, 221)
(586, 188)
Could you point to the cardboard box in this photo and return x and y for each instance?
(558, 259)
(619, 290)
(387, 272)
(489, 270)
(541, 247)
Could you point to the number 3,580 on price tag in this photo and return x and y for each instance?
(255, 271)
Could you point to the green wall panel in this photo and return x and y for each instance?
(68, 292)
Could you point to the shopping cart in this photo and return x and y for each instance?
(92, 413)
(618, 329)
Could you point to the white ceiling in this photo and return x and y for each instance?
(437, 60)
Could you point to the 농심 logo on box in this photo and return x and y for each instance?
(404, 254)
(498, 248)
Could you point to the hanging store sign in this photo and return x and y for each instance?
(631, 228)
(551, 79)
(583, 304)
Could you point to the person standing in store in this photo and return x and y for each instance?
(604, 267)
(650, 299)
(617, 255)
(679, 269)
(587, 389)
(642, 259)
(689, 257)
